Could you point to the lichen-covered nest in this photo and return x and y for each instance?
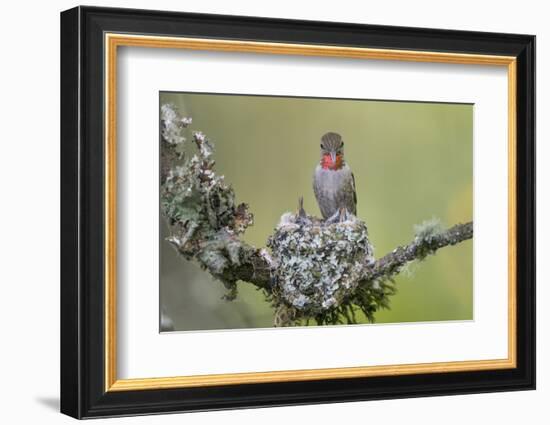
(318, 264)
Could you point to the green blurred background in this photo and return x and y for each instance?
(412, 161)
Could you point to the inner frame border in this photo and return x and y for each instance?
(114, 40)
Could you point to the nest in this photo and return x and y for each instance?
(318, 264)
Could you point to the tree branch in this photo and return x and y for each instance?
(392, 263)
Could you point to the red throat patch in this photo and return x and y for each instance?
(327, 164)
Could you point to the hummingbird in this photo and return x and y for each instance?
(333, 181)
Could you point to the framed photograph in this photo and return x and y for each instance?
(261, 212)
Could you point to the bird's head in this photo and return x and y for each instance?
(332, 151)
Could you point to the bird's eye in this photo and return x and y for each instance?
(321, 145)
(342, 143)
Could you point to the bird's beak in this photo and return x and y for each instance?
(333, 157)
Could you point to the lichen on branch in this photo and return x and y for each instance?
(312, 269)
(430, 236)
(200, 207)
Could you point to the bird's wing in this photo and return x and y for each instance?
(354, 193)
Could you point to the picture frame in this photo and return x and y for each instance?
(90, 41)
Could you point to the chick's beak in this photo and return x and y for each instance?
(333, 157)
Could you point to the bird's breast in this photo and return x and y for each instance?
(334, 189)
(331, 180)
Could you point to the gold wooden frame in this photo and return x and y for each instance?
(113, 41)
